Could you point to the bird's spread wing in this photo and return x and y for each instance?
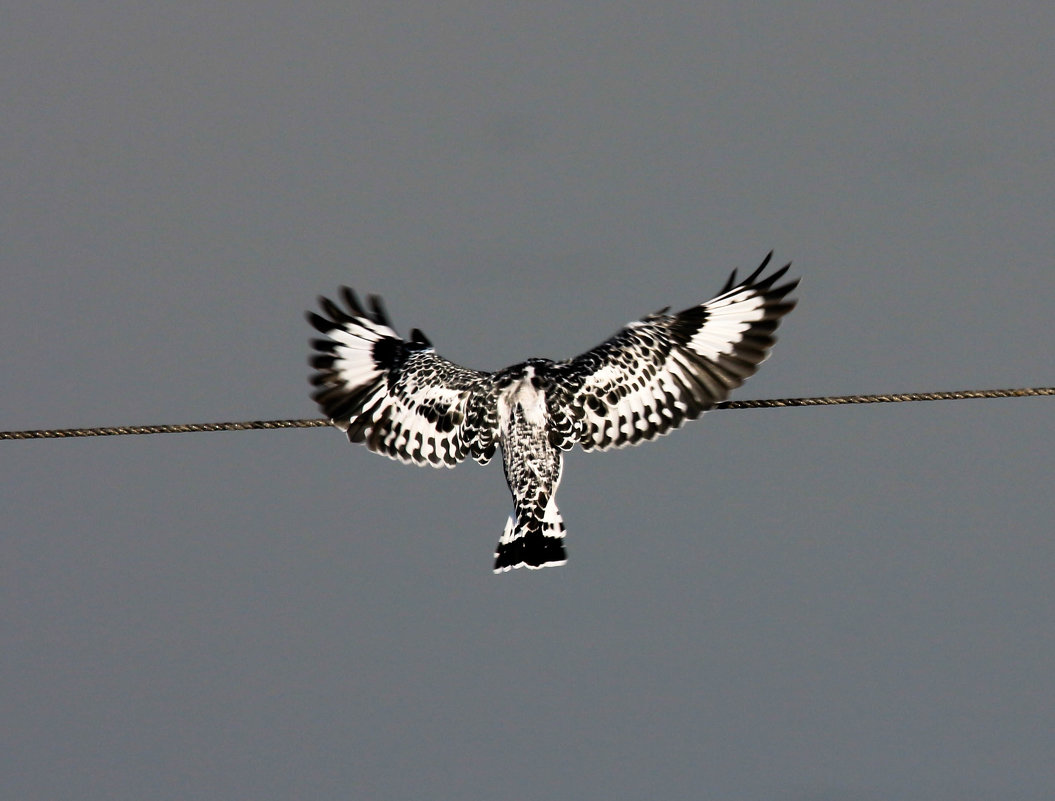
(397, 396)
(662, 370)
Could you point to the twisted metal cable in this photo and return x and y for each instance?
(768, 403)
(840, 400)
(174, 428)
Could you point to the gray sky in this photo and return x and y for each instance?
(836, 604)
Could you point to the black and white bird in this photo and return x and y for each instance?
(401, 399)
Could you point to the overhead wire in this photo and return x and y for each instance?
(765, 403)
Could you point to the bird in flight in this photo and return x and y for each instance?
(401, 399)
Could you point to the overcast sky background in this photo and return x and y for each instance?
(806, 604)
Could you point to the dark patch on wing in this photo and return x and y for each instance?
(657, 373)
(397, 396)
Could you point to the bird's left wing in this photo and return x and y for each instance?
(397, 396)
(658, 372)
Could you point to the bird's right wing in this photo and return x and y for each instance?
(658, 372)
(397, 396)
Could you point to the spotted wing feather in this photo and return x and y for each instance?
(397, 396)
(658, 372)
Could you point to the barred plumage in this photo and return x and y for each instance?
(399, 398)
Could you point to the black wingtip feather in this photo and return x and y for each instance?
(729, 284)
(351, 300)
(765, 262)
(752, 279)
(319, 323)
(324, 345)
(322, 361)
(377, 310)
(417, 336)
(335, 312)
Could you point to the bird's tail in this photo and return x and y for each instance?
(533, 538)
